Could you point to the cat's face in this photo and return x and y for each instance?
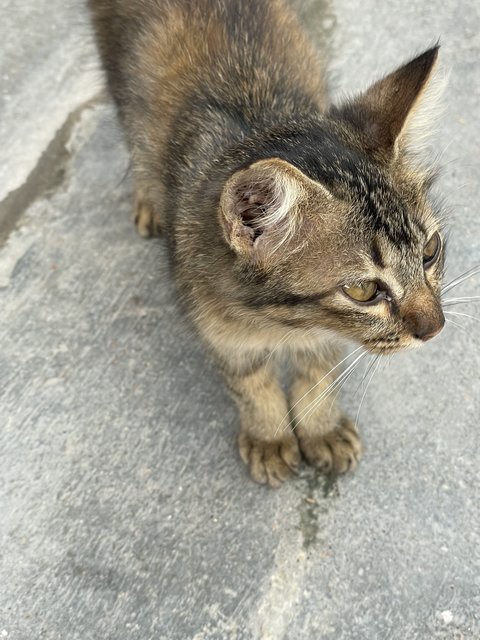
(354, 246)
(390, 298)
(365, 263)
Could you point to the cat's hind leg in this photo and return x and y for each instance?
(147, 219)
(328, 439)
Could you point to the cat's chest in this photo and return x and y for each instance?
(277, 343)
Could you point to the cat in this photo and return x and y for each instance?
(292, 224)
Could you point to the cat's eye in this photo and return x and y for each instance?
(366, 292)
(431, 250)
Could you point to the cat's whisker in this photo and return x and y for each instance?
(282, 341)
(292, 420)
(377, 362)
(285, 417)
(456, 324)
(464, 300)
(367, 371)
(312, 406)
(387, 358)
(465, 315)
(461, 278)
(336, 384)
(339, 389)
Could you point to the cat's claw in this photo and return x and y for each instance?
(269, 462)
(337, 451)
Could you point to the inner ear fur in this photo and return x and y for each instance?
(262, 208)
(383, 111)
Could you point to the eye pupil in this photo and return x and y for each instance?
(363, 292)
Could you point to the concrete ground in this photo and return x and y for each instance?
(125, 511)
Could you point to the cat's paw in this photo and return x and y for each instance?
(146, 220)
(269, 462)
(337, 451)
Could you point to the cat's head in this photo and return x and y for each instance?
(333, 227)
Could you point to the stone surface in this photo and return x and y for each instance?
(125, 511)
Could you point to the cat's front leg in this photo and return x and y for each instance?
(266, 442)
(328, 439)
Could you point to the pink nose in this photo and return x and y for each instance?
(424, 327)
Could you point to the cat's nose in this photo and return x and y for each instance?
(424, 326)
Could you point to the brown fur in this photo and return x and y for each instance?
(272, 201)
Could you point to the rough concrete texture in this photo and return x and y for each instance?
(125, 510)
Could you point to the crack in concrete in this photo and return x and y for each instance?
(284, 591)
(311, 507)
(48, 174)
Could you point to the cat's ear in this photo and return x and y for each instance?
(383, 112)
(261, 208)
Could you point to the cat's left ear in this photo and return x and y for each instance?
(259, 208)
(262, 209)
(383, 112)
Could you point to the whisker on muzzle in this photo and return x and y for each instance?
(461, 278)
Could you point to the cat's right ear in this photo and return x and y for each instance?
(260, 208)
(383, 113)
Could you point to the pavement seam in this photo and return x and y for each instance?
(47, 175)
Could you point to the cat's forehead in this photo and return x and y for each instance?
(391, 224)
(387, 198)
(384, 210)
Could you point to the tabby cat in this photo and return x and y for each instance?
(292, 223)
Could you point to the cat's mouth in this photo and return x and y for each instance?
(419, 330)
(385, 350)
(387, 345)
(390, 345)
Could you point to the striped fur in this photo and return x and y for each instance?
(271, 200)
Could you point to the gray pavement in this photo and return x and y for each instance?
(125, 511)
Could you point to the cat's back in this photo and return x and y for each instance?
(251, 52)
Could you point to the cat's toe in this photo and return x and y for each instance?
(146, 220)
(337, 451)
(269, 462)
